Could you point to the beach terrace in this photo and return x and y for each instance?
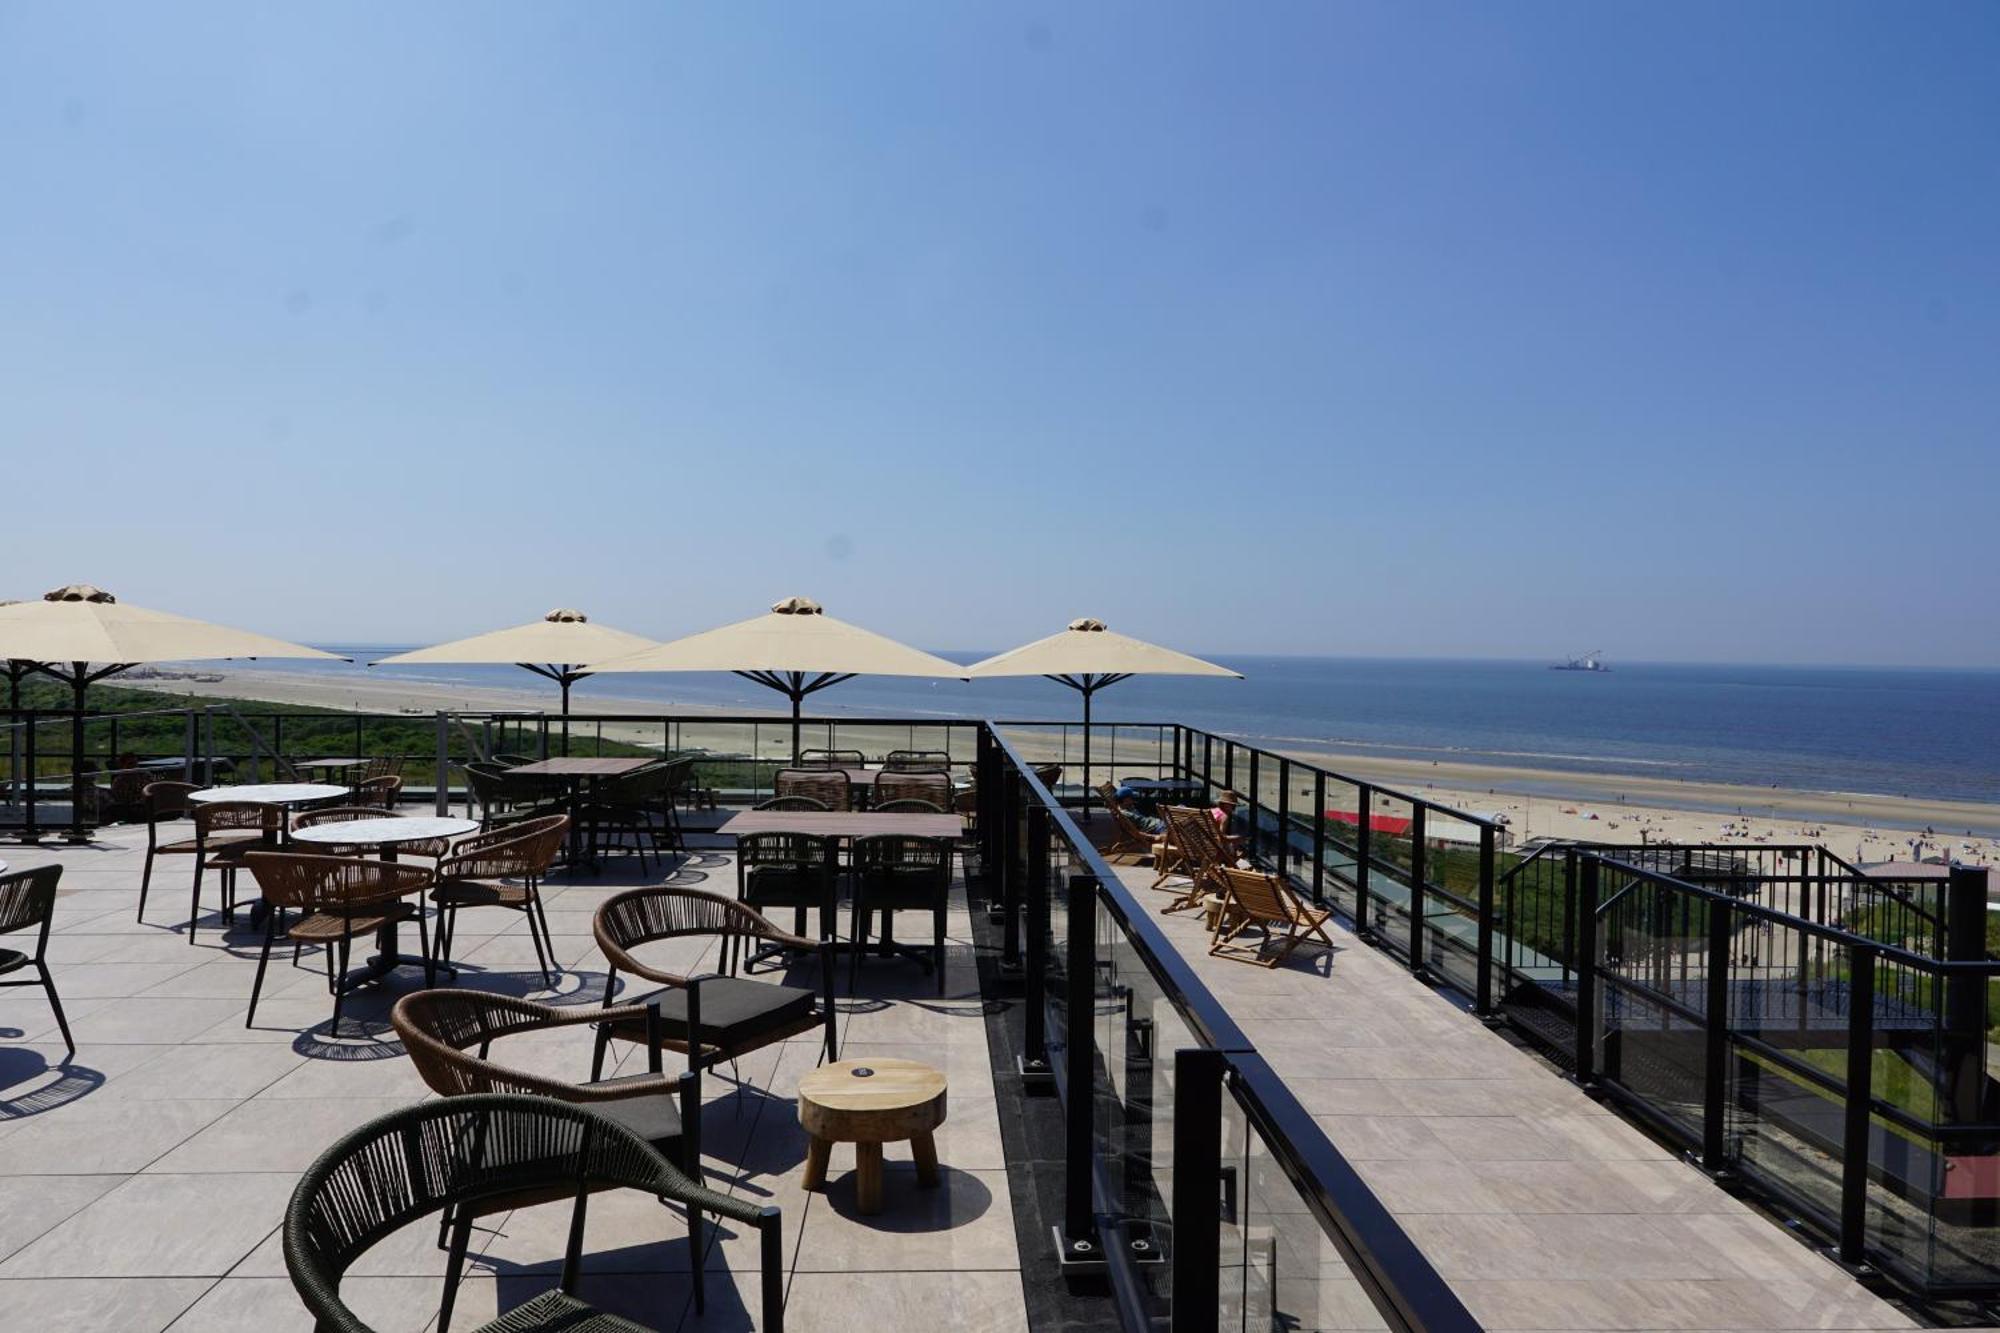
(1591, 1087)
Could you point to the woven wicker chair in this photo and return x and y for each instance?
(28, 901)
(912, 786)
(338, 898)
(166, 801)
(795, 870)
(338, 814)
(831, 790)
(381, 766)
(476, 875)
(446, 1156)
(504, 798)
(729, 1014)
(639, 805)
(917, 761)
(449, 1033)
(795, 804)
(831, 759)
(381, 791)
(894, 873)
(1127, 838)
(907, 805)
(1256, 899)
(220, 844)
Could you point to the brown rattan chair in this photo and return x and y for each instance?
(1258, 900)
(907, 805)
(730, 1014)
(917, 761)
(166, 801)
(459, 1154)
(831, 759)
(503, 868)
(1127, 838)
(912, 786)
(831, 790)
(793, 803)
(895, 873)
(339, 814)
(220, 829)
(381, 791)
(28, 901)
(338, 898)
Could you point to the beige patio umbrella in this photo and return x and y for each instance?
(1087, 657)
(794, 648)
(556, 646)
(72, 627)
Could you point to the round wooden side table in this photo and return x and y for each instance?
(869, 1103)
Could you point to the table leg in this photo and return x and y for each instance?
(868, 1178)
(817, 1151)
(924, 1149)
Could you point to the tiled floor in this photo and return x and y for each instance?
(142, 1186)
(1541, 1208)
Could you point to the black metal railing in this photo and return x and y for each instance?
(1194, 1178)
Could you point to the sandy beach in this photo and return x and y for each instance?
(1537, 802)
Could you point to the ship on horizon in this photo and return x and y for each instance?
(1590, 661)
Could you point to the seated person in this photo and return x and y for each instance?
(1152, 825)
(1224, 814)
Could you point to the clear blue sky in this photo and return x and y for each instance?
(1392, 328)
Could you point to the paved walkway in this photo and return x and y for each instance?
(1540, 1207)
(141, 1187)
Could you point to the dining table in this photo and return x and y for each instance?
(580, 776)
(384, 835)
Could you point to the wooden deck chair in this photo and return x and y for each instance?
(1263, 901)
(1127, 838)
(1201, 855)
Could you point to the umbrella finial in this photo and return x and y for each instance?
(78, 592)
(797, 606)
(1087, 625)
(563, 615)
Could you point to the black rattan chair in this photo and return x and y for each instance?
(831, 759)
(28, 901)
(894, 873)
(460, 1151)
(917, 761)
(795, 870)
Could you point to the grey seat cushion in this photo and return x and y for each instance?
(735, 1011)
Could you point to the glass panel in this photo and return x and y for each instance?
(1342, 814)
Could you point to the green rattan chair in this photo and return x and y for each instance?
(455, 1153)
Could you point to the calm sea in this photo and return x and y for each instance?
(1920, 733)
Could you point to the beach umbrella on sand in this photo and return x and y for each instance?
(794, 648)
(71, 628)
(1087, 657)
(556, 646)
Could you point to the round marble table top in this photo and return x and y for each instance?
(270, 793)
(377, 832)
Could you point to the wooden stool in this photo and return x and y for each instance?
(868, 1103)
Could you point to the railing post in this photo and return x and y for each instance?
(188, 757)
(1197, 1190)
(32, 832)
(1715, 1062)
(1229, 764)
(1483, 997)
(442, 800)
(1034, 1069)
(1586, 971)
(1284, 816)
(1364, 855)
(1077, 1241)
(1860, 1101)
(1963, 1051)
(1250, 799)
(1010, 873)
(1319, 836)
(208, 743)
(278, 745)
(1418, 869)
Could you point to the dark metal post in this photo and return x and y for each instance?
(1250, 799)
(1364, 855)
(1284, 816)
(1010, 871)
(1586, 972)
(1229, 764)
(79, 782)
(441, 799)
(1418, 869)
(32, 832)
(1197, 1189)
(1715, 1062)
(1034, 1042)
(1483, 997)
(1860, 1100)
(189, 759)
(1319, 836)
(1079, 1226)
(1570, 880)
(1964, 1046)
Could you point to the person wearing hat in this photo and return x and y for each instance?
(1224, 814)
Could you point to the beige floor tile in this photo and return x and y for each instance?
(130, 1305)
(160, 1225)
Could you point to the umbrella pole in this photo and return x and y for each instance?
(798, 696)
(79, 683)
(565, 711)
(1088, 690)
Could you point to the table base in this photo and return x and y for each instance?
(868, 1168)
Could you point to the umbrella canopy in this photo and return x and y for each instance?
(1087, 657)
(557, 646)
(794, 648)
(78, 625)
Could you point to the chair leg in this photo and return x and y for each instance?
(695, 1256)
(858, 930)
(194, 908)
(535, 938)
(424, 947)
(49, 985)
(542, 915)
(340, 985)
(145, 882)
(573, 1256)
(263, 960)
(597, 1054)
(937, 933)
(454, 1268)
